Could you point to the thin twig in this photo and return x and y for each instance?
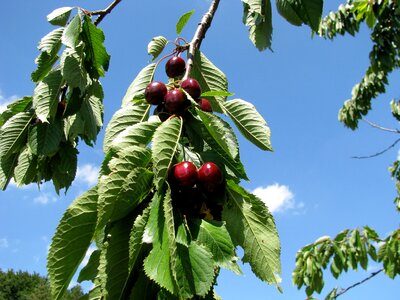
(379, 153)
(342, 291)
(102, 13)
(380, 127)
(200, 35)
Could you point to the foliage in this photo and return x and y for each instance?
(23, 285)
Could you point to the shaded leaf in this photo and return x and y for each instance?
(45, 63)
(25, 170)
(59, 16)
(89, 272)
(72, 32)
(45, 138)
(73, 69)
(51, 42)
(156, 46)
(13, 134)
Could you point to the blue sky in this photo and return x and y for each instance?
(310, 181)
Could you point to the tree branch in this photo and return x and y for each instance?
(342, 291)
(200, 35)
(379, 153)
(102, 13)
(380, 127)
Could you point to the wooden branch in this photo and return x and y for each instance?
(102, 13)
(200, 35)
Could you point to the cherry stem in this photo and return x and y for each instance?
(199, 35)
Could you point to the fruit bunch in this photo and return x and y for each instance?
(197, 193)
(171, 98)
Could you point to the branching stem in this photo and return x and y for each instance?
(102, 13)
(342, 291)
(200, 35)
(380, 127)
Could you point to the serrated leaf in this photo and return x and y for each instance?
(19, 105)
(258, 17)
(214, 236)
(183, 21)
(139, 134)
(72, 32)
(64, 166)
(25, 170)
(7, 165)
(115, 254)
(13, 134)
(45, 63)
(139, 84)
(45, 138)
(156, 46)
(73, 69)
(126, 116)
(164, 146)
(72, 239)
(144, 289)
(250, 123)
(89, 272)
(121, 192)
(136, 244)
(96, 53)
(210, 78)
(301, 11)
(45, 96)
(251, 226)
(59, 16)
(51, 42)
(221, 132)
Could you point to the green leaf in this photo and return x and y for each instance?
(13, 134)
(51, 42)
(20, 105)
(25, 170)
(7, 165)
(139, 84)
(251, 226)
(216, 93)
(144, 289)
(72, 32)
(115, 254)
(59, 16)
(72, 239)
(45, 96)
(45, 138)
(250, 123)
(214, 236)
(64, 165)
(96, 54)
(89, 272)
(164, 146)
(210, 78)
(183, 21)
(258, 17)
(45, 63)
(286, 10)
(73, 69)
(156, 46)
(126, 116)
(139, 134)
(121, 192)
(221, 132)
(91, 111)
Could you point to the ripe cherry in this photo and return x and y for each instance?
(174, 101)
(155, 92)
(175, 67)
(210, 177)
(184, 174)
(192, 87)
(205, 105)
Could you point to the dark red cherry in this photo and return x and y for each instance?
(184, 174)
(155, 92)
(192, 87)
(175, 67)
(205, 105)
(174, 101)
(210, 177)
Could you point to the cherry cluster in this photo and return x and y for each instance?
(197, 193)
(172, 99)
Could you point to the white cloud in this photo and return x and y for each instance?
(4, 243)
(44, 198)
(278, 198)
(88, 173)
(4, 101)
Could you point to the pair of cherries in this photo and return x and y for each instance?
(175, 100)
(208, 177)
